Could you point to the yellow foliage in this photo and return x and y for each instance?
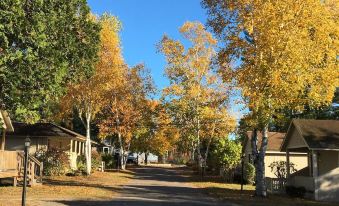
(287, 52)
(90, 95)
(197, 99)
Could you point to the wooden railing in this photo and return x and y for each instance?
(8, 160)
(275, 185)
(8, 164)
(34, 170)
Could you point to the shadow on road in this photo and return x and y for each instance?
(153, 186)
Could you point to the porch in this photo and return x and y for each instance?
(9, 164)
(12, 167)
(320, 140)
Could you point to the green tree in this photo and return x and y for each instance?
(39, 52)
(228, 153)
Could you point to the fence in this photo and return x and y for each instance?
(275, 185)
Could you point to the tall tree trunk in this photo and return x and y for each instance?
(261, 182)
(122, 153)
(88, 145)
(125, 156)
(192, 155)
(259, 161)
(146, 158)
(198, 146)
(206, 154)
(208, 147)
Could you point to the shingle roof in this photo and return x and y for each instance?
(318, 134)
(275, 140)
(44, 130)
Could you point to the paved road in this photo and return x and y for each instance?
(155, 187)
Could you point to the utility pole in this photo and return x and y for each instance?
(27, 145)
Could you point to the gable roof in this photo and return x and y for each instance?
(317, 134)
(44, 130)
(275, 140)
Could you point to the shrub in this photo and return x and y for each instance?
(96, 160)
(249, 173)
(56, 161)
(293, 191)
(109, 160)
(226, 155)
(180, 160)
(280, 170)
(81, 162)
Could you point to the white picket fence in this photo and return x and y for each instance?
(275, 185)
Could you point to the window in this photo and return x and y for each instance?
(105, 150)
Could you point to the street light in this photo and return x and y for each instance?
(242, 171)
(27, 145)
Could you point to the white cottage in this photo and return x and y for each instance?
(320, 140)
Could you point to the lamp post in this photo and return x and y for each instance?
(242, 171)
(27, 145)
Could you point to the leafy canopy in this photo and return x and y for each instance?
(281, 54)
(40, 52)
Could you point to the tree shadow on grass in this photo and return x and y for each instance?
(149, 195)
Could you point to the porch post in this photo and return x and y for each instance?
(79, 147)
(288, 162)
(314, 164)
(3, 139)
(315, 173)
(71, 146)
(76, 147)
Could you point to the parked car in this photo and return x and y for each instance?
(131, 159)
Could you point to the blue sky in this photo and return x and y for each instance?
(144, 24)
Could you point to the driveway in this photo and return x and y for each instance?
(154, 187)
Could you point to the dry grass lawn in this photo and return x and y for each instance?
(99, 185)
(231, 192)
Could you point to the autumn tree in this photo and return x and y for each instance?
(123, 111)
(39, 53)
(197, 99)
(154, 134)
(90, 95)
(281, 54)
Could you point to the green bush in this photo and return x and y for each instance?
(56, 161)
(295, 191)
(109, 160)
(179, 160)
(81, 164)
(227, 154)
(96, 162)
(249, 173)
